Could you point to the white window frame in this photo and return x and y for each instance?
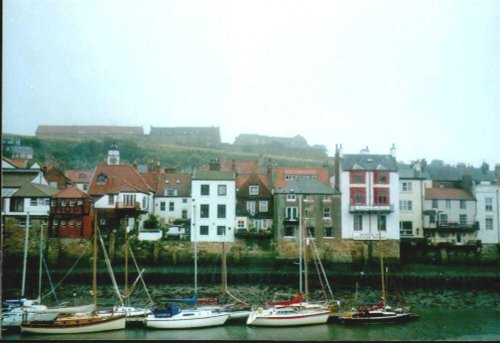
(253, 190)
(263, 206)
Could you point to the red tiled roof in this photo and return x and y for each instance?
(320, 173)
(17, 163)
(447, 194)
(242, 167)
(72, 192)
(161, 181)
(241, 180)
(79, 176)
(118, 175)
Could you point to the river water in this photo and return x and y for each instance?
(444, 315)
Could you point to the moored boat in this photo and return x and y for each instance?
(75, 324)
(287, 316)
(176, 318)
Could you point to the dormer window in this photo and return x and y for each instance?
(253, 190)
(102, 179)
(170, 192)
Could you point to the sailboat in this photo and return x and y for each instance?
(133, 314)
(18, 310)
(175, 317)
(379, 313)
(237, 310)
(292, 312)
(79, 323)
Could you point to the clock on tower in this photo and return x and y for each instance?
(113, 154)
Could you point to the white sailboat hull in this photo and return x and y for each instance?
(287, 317)
(76, 324)
(187, 319)
(72, 309)
(14, 317)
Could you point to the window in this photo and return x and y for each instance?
(357, 176)
(241, 224)
(488, 223)
(101, 179)
(79, 203)
(251, 207)
(85, 186)
(405, 205)
(221, 230)
(381, 196)
(221, 211)
(162, 206)
(56, 221)
(406, 228)
(488, 204)
(382, 223)
(463, 205)
(129, 200)
(71, 223)
(328, 232)
(63, 223)
(111, 200)
(310, 232)
(443, 219)
(253, 190)
(289, 231)
(170, 192)
(463, 219)
(204, 230)
(327, 212)
(221, 190)
(381, 177)
(63, 203)
(327, 198)
(306, 213)
(171, 206)
(292, 213)
(184, 214)
(46, 201)
(406, 186)
(204, 210)
(205, 190)
(358, 196)
(53, 203)
(79, 223)
(448, 204)
(358, 222)
(184, 201)
(33, 202)
(291, 197)
(434, 204)
(263, 206)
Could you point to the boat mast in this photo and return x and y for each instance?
(25, 260)
(125, 291)
(381, 263)
(94, 262)
(195, 251)
(40, 267)
(300, 243)
(224, 270)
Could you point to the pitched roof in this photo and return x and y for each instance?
(79, 176)
(369, 162)
(406, 172)
(16, 180)
(161, 181)
(305, 186)
(72, 192)
(254, 178)
(88, 129)
(243, 167)
(214, 175)
(447, 194)
(35, 190)
(117, 175)
(319, 173)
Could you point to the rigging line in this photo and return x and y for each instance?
(133, 285)
(322, 269)
(72, 267)
(151, 302)
(320, 279)
(52, 290)
(110, 269)
(232, 296)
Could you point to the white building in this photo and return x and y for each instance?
(412, 185)
(214, 206)
(369, 186)
(488, 212)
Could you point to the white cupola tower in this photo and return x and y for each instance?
(113, 154)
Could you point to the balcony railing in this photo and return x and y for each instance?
(128, 204)
(387, 208)
(469, 225)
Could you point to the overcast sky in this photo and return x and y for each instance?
(424, 75)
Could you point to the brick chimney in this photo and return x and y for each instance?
(214, 164)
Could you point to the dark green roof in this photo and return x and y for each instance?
(305, 186)
(406, 172)
(369, 162)
(16, 180)
(214, 175)
(33, 190)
